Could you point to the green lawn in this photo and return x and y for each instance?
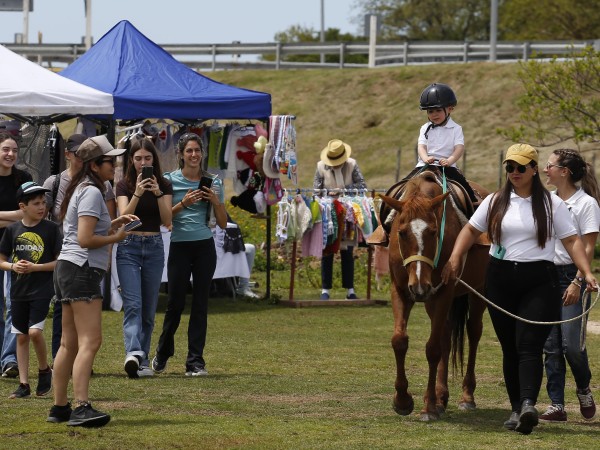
(288, 378)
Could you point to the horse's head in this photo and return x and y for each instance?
(414, 237)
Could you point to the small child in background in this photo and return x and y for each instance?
(441, 139)
(28, 250)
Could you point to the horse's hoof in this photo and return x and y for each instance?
(429, 417)
(467, 406)
(404, 411)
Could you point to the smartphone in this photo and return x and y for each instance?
(205, 182)
(147, 172)
(133, 225)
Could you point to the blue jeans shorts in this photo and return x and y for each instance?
(74, 283)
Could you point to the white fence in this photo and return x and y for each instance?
(274, 55)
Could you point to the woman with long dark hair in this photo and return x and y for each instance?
(576, 185)
(140, 256)
(83, 260)
(191, 253)
(523, 221)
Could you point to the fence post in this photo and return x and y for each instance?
(277, 55)
(372, 41)
(342, 53)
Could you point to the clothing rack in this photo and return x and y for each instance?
(324, 192)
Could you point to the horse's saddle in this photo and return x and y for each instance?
(457, 191)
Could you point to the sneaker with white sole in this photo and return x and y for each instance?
(196, 371)
(587, 406)
(145, 371)
(554, 413)
(131, 366)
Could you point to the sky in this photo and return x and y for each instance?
(178, 21)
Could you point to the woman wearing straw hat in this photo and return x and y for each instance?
(337, 171)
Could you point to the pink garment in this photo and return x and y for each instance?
(312, 241)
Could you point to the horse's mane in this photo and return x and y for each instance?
(416, 200)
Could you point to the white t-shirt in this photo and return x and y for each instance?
(585, 213)
(519, 233)
(442, 140)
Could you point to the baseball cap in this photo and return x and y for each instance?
(522, 154)
(97, 146)
(29, 188)
(74, 141)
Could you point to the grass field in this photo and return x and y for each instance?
(280, 377)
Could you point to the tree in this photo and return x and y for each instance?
(561, 101)
(550, 19)
(431, 20)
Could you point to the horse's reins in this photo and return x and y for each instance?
(582, 316)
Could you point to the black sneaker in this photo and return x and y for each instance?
(23, 391)
(59, 414)
(157, 365)
(11, 370)
(44, 382)
(86, 416)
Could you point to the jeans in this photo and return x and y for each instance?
(529, 290)
(563, 343)
(347, 269)
(9, 344)
(198, 259)
(140, 262)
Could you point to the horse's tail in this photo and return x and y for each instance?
(459, 313)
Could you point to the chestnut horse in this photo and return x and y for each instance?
(413, 248)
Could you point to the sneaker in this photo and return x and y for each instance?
(247, 293)
(44, 382)
(157, 365)
(196, 371)
(145, 371)
(131, 366)
(586, 403)
(352, 296)
(59, 414)
(554, 413)
(23, 391)
(324, 296)
(86, 416)
(11, 370)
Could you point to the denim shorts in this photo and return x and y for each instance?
(74, 283)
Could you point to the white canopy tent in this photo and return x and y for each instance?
(27, 89)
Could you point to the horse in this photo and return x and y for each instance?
(416, 240)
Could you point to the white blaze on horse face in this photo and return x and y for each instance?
(418, 226)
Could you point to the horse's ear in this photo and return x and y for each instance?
(392, 202)
(435, 201)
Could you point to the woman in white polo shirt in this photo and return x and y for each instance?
(523, 220)
(565, 170)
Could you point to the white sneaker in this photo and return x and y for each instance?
(145, 371)
(247, 293)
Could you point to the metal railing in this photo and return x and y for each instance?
(274, 55)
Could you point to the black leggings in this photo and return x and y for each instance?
(531, 291)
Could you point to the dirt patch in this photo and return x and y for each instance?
(593, 327)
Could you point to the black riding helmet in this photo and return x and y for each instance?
(437, 95)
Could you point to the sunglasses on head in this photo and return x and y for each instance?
(510, 168)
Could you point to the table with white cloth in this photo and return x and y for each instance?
(228, 264)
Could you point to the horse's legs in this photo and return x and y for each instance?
(437, 309)
(474, 330)
(403, 400)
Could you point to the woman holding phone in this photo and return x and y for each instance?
(191, 253)
(140, 256)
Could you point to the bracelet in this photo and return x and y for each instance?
(138, 196)
(576, 283)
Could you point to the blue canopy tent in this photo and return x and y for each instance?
(147, 82)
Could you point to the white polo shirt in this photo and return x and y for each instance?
(585, 213)
(442, 140)
(519, 233)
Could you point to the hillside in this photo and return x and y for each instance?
(376, 112)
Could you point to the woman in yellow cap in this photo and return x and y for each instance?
(335, 172)
(523, 221)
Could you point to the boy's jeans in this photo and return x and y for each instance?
(563, 342)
